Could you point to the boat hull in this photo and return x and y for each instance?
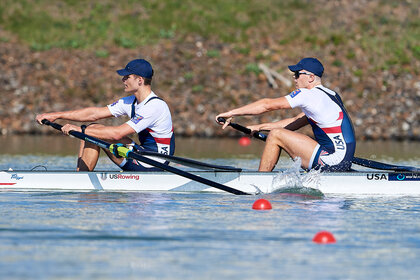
(386, 183)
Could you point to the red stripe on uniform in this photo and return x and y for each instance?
(7, 184)
(166, 141)
(336, 129)
(340, 116)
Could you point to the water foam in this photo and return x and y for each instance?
(292, 181)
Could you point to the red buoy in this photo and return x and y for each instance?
(324, 237)
(244, 141)
(261, 204)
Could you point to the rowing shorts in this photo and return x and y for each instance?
(322, 159)
(129, 164)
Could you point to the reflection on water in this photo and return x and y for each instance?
(198, 147)
(133, 235)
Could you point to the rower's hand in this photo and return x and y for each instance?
(47, 116)
(226, 120)
(70, 127)
(253, 128)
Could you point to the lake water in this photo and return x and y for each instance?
(59, 152)
(100, 235)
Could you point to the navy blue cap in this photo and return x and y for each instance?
(310, 64)
(138, 67)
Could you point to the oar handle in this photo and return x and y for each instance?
(52, 124)
(79, 135)
(258, 135)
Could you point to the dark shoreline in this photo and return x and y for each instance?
(383, 106)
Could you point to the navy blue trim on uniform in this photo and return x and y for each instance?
(349, 137)
(147, 142)
(347, 124)
(133, 108)
(154, 97)
(133, 105)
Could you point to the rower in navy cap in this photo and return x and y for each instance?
(150, 119)
(333, 145)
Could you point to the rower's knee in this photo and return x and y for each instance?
(276, 135)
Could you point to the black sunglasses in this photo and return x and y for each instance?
(297, 74)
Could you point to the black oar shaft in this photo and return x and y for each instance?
(359, 161)
(79, 135)
(383, 166)
(183, 161)
(245, 130)
(189, 162)
(124, 151)
(184, 174)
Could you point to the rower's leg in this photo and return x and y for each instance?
(88, 156)
(89, 153)
(294, 143)
(270, 155)
(117, 161)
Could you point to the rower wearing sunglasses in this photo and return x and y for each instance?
(333, 145)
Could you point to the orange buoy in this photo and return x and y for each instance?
(262, 204)
(244, 141)
(324, 237)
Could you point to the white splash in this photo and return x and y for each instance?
(292, 178)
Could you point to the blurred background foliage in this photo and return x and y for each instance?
(388, 30)
(63, 54)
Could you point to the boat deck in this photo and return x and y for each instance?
(358, 182)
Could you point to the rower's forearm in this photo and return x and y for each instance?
(274, 125)
(82, 115)
(256, 108)
(290, 123)
(271, 126)
(107, 133)
(297, 122)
